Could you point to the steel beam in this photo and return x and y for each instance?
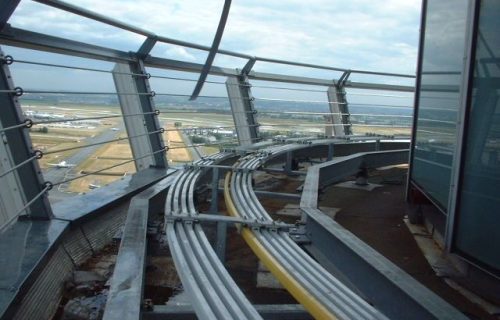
(28, 181)
(278, 195)
(101, 18)
(243, 110)
(43, 42)
(315, 66)
(267, 311)
(248, 66)
(94, 16)
(38, 41)
(127, 284)
(138, 126)
(389, 288)
(214, 203)
(380, 281)
(118, 24)
(219, 218)
(220, 245)
(331, 149)
(171, 64)
(146, 47)
(7, 8)
(213, 50)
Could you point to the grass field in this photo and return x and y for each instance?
(107, 156)
(177, 154)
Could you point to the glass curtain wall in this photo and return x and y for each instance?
(439, 98)
(478, 208)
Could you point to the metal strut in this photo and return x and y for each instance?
(213, 50)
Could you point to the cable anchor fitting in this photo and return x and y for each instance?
(8, 60)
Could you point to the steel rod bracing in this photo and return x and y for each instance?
(251, 99)
(48, 186)
(104, 142)
(238, 85)
(44, 64)
(277, 87)
(376, 95)
(26, 124)
(329, 113)
(185, 79)
(32, 91)
(110, 167)
(295, 100)
(157, 112)
(153, 93)
(331, 125)
(210, 128)
(304, 124)
(37, 155)
(282, 88)
(375, 105)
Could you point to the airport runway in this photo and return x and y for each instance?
(195, 152)
(55, 174)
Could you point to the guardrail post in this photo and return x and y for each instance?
(339, 119)
(214, 204)
(330, 152)
(26, 182)
(242, 108)
(288, 163)
(133, 87)
(220, 246)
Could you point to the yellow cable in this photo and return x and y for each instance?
(315, 308)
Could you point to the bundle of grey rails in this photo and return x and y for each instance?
(214, 293)
(323, 295)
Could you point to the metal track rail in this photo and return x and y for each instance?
(324, 296)
(214, 293)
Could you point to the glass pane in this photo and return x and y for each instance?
(439, 97)
(479, 208)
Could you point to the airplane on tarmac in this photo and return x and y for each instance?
(62, 164)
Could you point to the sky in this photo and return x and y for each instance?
(355, 34)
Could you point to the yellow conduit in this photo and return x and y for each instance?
(313, 306)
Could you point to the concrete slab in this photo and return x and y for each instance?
(353, 185)
(266, 279)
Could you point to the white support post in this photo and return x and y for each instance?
(242, 108)
(133, 99)
(339, 123)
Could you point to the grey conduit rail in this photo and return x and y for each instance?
(214, 293)
(335, 297)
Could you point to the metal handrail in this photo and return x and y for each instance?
(113, 22)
